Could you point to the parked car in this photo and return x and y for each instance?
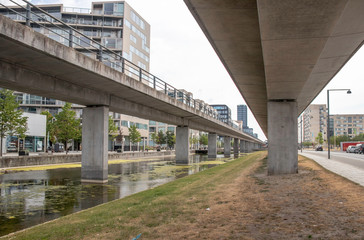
(319, 148)
(351, 149)
(360, 148)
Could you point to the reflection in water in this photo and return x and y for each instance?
(31, 198)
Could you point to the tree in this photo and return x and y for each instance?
(113, 130)
(193, 141)
(66, 126)
(341, 138)
(11, 120)
(170, 139)
(204, 139)
(49, 127)
(134, 135)
(359, 137)
(159, 138)
(319, 138)
(307, 144)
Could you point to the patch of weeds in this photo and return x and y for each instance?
(263, 166)
(259, 181)
(317, 179)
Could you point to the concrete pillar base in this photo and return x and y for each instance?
(94, 181)
(227, 146)
(212, 145)
(182, 145)
(94, 144)
(282, 136)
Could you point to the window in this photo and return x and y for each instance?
(137, 20)
(125, 123)
(108, 8)
(133, 39)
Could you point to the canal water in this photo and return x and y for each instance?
(28, 198)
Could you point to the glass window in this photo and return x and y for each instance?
(108, 8)
(133, 39)
(119, 9)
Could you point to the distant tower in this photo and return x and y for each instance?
(243, 115)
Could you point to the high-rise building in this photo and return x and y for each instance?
(243, 114)
(114, 25)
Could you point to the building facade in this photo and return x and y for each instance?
(116, 26)
(224, 113)
(347, 124)
(314, 120)
(35, 136)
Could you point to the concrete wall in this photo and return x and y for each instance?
(44, 159)
(36, 124)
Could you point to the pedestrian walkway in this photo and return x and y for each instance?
(353, 173)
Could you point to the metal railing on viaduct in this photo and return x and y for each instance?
(33, 63)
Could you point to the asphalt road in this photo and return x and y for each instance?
(355, 160)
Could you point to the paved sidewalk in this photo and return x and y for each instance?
(353, 173)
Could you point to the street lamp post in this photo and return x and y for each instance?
(328, 117)
(301, 132)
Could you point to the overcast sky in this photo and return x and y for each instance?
(182, 56)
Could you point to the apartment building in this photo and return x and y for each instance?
(115, 25)
(314, 120)
(224, 112)
(347, 124)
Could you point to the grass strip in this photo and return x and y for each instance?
(140, 213)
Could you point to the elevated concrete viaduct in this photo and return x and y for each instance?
(33, 63)
(280, 55)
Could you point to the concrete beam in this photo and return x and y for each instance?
(282, 136)
(212, 145)
(94, 144)
(182, 145)
(227, 146)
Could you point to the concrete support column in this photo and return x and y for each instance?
(236, 146)
(212, 145)
(242, 146)
(227, 146)
(246, 143)
(249, 147)
(182, 145)
(94, 158)
(282, 136)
